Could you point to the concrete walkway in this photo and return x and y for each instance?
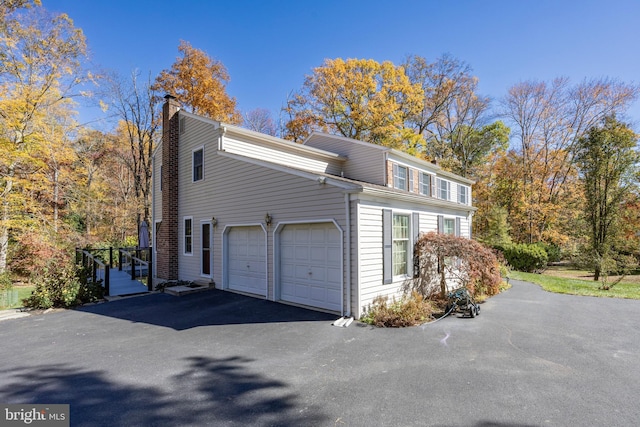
(531, 358)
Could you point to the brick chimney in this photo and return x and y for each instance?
(167, 256)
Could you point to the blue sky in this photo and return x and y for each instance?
(269, 46)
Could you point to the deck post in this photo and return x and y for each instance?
(110, 256)
(120, 259)
(133, 268)
(106, 279)
(94, 273)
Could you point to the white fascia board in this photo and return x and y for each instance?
(328, 180)
(415, 198)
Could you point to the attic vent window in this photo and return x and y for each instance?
(182, 124)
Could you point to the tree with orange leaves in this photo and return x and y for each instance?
(199, 82)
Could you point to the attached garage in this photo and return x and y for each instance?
(310, 265)
(246, 257)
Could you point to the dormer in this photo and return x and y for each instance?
(394, 169)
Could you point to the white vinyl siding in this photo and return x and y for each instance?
(283, 154)
(366, 161)
(239, 191)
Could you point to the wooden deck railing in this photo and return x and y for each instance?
(98, 269)
(135, 259)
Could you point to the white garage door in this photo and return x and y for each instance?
(310, 265)
(246, 259)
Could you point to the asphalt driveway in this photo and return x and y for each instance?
(530, 359)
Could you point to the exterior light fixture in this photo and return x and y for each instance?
(214, 221)
(268, 219)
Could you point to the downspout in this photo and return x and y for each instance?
(347, 203)
(223, 131)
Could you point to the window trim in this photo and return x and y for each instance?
(425, 185)
(186, 236)
(406, 241)
(193, 164)
(439, 188)
(465, 192)
(396, 176)
(452, 222)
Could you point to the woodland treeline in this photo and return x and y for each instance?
(63, 184)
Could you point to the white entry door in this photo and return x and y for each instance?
(311, 265)
(247, 261)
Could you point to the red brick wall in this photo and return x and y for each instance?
(167, 256)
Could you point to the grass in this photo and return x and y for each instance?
(576, 282)
(23, 292)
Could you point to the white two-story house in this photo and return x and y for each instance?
(328, 224)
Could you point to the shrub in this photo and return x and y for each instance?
(408, 311)
(60, 285)
(6, 283)
(526, 257)
(554, 253)
(442, 260)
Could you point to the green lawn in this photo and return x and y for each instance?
(23, 292)
(563, 285)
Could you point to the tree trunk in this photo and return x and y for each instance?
(443, 278)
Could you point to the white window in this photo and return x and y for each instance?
(188, 235)
(425, 184)
(198, 164)
(463, 196)
(443, 189)
(399, 177)
(449, 226)
(400, 245)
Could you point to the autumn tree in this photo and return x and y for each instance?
(136, 104)
(40, 58)
(547, 120)
(453, 118)
(356, 98)
(606, 158)
(199, 83)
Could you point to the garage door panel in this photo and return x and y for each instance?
(246, 260)
(315, 249)
(318, 254)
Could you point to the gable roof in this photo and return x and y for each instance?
(395, 152)
(233, 129)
